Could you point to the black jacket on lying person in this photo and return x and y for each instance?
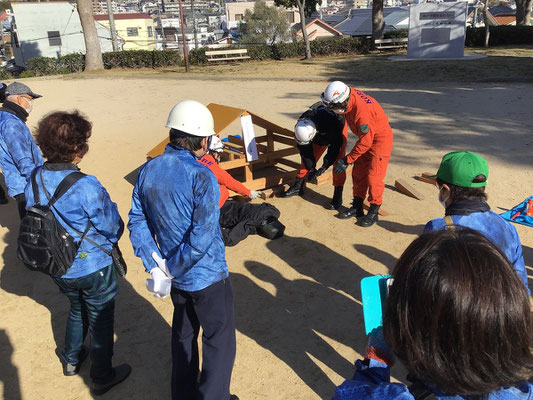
(330, 127)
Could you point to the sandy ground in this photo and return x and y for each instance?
(297, 299)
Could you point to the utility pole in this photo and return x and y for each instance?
(112, 25)
(163, 46)
(194, 25)
(185, 50)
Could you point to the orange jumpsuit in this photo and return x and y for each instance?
(370, 155)
(225, 180)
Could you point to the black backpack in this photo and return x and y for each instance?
(43, 244)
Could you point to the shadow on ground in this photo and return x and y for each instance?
(142, 334)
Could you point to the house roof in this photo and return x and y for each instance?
(105, 17)
(308, 22)
(360, 21)
(502, 10)
(505, 19)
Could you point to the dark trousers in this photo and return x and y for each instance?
(3, 196)
(238, 220)
(92, 307)
(21, 204)
(212, 309)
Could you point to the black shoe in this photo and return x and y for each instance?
(336, 201)
(120, 373)
(233, 397)
(371, 218)
(71, 369)
(297, 188)
(356, 210)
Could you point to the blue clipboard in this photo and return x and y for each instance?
(373, 293)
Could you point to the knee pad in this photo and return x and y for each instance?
(271, 228)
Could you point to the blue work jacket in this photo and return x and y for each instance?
(372, 382)
(19, 154)
(175, 213)
(500, 232)
(86, 201)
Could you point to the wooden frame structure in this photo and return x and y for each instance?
(274, 146)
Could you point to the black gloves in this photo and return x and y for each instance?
(314, 174)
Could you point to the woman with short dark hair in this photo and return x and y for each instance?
(90, 283)
(457, 315)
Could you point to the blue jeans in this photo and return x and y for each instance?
(92, 307)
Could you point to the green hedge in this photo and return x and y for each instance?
(503, 35)
(70, 63)
(399, 33)
(280, 51)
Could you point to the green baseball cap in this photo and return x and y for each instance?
(461, 167)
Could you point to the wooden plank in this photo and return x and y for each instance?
(431, 181)
(404, 187)
(381, 211)
(263, 123)
(278, 154)
(289, 163)
(222, 52)
(284, 140)
(228, 58)
(241, 162)
(248, 174)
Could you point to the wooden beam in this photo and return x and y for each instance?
(404, 187)
(248, 174)
(284, 140)
(278, 154)
(289, 163)
(241, 162)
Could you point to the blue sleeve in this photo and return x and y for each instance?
(205, 224)
(518, 258)
(371, 382)
(102, 212)
(435, 225)
(21, 149)
(141, 237)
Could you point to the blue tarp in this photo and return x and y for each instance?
(521, 218)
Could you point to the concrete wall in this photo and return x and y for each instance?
(33, 21)
(143, 40)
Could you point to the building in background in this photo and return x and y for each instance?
(316, 29)
(235, 12)
(49, 29)
(135, 30)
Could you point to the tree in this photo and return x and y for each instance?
(93, 52)
(523, 12)
(303, 7)
(378, 22)
(265, 24)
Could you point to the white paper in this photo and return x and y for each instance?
(250, 146)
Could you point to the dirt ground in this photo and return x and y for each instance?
(297, 299)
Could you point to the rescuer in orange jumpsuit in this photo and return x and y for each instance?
(239, 219)
(370, 155)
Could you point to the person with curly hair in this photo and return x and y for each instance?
(90, 283)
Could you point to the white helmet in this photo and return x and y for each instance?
(336, 94)
(191, 117)
(216, 144)
(304, 131)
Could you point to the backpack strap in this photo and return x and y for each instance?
(419, 390)
(63, 186)
(449, 222)
(34, 187)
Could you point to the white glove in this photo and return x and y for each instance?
(254, 194)
(161, 281)
(162, 264)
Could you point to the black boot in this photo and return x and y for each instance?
(336, 201)
(355, 210)
(371, 217)
(297, 188)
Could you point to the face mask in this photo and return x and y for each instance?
(338, 110)
(443, 201)
(28, 110)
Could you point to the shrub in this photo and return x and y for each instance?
(5, 74)
(260, 52)
(72, 63)
(197, 56)
(41, 66)
(399, 33)
(500, 35)
(165, 58)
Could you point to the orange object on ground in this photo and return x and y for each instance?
(371, 153)
(225, 180)
(516, 214)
